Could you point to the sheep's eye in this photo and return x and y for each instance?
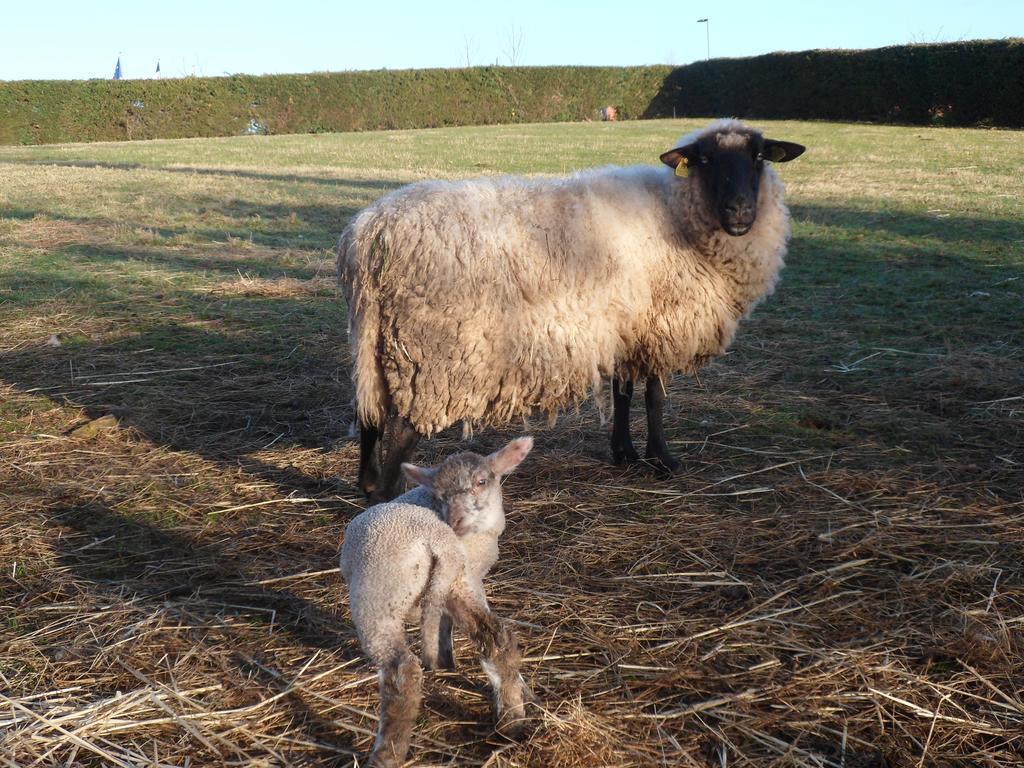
(481, 482)
(704, 160)
(760, 157)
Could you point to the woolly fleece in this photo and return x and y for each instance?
(485, 300)
(389, 558)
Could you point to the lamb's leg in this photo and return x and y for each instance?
(402, 438)
(499, 657)
(657, 449)
(369, 458)
(445, 651)
(622, 444)
(443, 571)
(401, 681)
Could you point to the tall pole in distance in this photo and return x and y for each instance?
(708, 30)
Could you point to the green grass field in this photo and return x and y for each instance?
(834, 578)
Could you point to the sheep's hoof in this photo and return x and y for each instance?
(378, 496)
(664, 464)
(368, 481)
(627, 455)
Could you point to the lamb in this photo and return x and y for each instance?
(483, 301)
(425, 555)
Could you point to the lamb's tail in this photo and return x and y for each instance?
(357, 252)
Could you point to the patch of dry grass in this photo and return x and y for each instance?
(833, 579)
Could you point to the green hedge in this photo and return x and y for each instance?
(40, 112)
(979, 82)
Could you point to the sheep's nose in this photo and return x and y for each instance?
(737, 216)
(739, 208)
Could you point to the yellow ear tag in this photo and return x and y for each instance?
(776, 154)
(682, 169)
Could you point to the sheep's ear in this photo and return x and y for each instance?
(419, 475)
(686, 156)
(782, 151)
(508, 458)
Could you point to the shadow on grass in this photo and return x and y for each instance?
(275, 226)
(294, 225)
(120, 553)
(128, 559)
(894, 279)
(321, 224)
(26, 288)
(237, 374)
(68, 274)
(239, 368)
(222, 395)
(947, 228)
(379, 184)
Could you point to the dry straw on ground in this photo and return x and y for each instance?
(833, 579)
(773, 604)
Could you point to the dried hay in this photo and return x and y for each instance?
(773, 605)
(833, 579)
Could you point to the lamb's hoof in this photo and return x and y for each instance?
(664, 464)
(512, 724)
(383, 759)
(514, 715)
(446, 661)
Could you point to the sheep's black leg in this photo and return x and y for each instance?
(369, 458)
(657, 449)
(622, 444)
(401, 682)
(402, 438)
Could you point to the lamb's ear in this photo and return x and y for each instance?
(687, 155)
(419, 475)
(508, 458)
(782, 151)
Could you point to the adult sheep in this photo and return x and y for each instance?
(485, 300)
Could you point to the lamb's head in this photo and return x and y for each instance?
(727, 160)
(467, 486)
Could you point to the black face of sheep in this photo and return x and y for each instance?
(729, 167)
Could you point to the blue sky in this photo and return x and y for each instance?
(83, 39)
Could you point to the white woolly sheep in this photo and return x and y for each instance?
(485, 300)
(424, 556)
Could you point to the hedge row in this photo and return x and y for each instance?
(39, 112)
(968, 83)
(979, 82)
